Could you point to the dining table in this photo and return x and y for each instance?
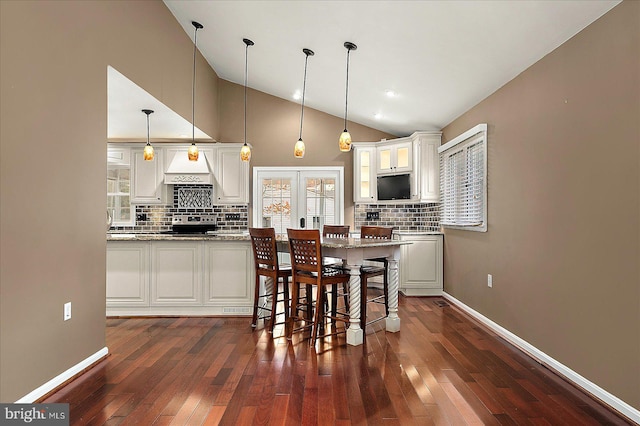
(354, 252)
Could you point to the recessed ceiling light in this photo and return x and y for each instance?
(297, 95)
(377, 116)
(390, 93)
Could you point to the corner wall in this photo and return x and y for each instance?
(53, 143)
(563, 243)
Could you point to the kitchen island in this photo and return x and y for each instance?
(179, 275)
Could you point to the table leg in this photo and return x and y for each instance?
(393, 321)
(355, 334)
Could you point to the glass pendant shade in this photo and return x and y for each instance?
(298, 149)
(147, 154)
(193, 152)
(345, 141)
(245, 153)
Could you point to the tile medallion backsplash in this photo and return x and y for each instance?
(153, 218)
(403, 217)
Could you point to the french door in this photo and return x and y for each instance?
(292, 197)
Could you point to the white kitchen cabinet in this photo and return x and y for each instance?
(147, 177)
(127, 274)
(394, 157)
(200, 277)
(421, 265)
(364, 173)
(232, 176)
(229, 276)
(427, 170)
(176, 273)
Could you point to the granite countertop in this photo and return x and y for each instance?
(178, 237)
(418, 232)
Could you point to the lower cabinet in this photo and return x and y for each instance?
(421, 265)
(228, 276)
(179, 278)
(176, 273)
(127, 274)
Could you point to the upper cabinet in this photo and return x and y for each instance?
(146, 178)
(219, 167)
(427, 175)
(231, 176)
(395, 156)
(364, 181)
(416, 155)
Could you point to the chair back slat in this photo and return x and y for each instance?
(376, 232)
(335, 231)
(265, 253)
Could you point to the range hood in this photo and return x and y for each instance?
(183, 171)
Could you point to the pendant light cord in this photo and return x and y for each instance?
(193, 88)
(346, 96)
(246, 71)
(147, 128)
(304, 88)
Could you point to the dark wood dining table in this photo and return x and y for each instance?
(353, 252)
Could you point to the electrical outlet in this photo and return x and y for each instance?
(141, 217)
(489, 280)
(373, 215)
(67, 311)
(232, 216)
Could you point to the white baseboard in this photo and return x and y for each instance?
(596, 391)
(63, 377)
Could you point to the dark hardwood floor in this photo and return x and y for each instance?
(442, 368)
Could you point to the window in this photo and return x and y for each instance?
(119, 187)
(463, 180)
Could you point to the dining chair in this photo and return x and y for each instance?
(307, 268)
(265, 255)
(366, 272)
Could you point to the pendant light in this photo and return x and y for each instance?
(193, 149)
(298, 149)
(147, 154)
(345, 138)
(245, 151)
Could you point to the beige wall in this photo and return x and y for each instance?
(54, 58)
(273, 127)
(564, 206)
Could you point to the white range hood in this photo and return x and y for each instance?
(183, 171)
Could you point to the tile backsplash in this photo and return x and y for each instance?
(402, 217)
(187, 199)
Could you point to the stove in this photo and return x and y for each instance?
(192, 224)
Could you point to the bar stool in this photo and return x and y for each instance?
(307, 268)
(337, 231)
(366, 272)
(265, 255)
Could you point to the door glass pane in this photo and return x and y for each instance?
(320, 202)
(403, 157)
(276, 204)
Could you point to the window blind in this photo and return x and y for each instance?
(463, 180)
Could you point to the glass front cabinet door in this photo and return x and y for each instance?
(364, 182)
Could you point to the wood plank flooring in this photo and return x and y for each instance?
(442, 368)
